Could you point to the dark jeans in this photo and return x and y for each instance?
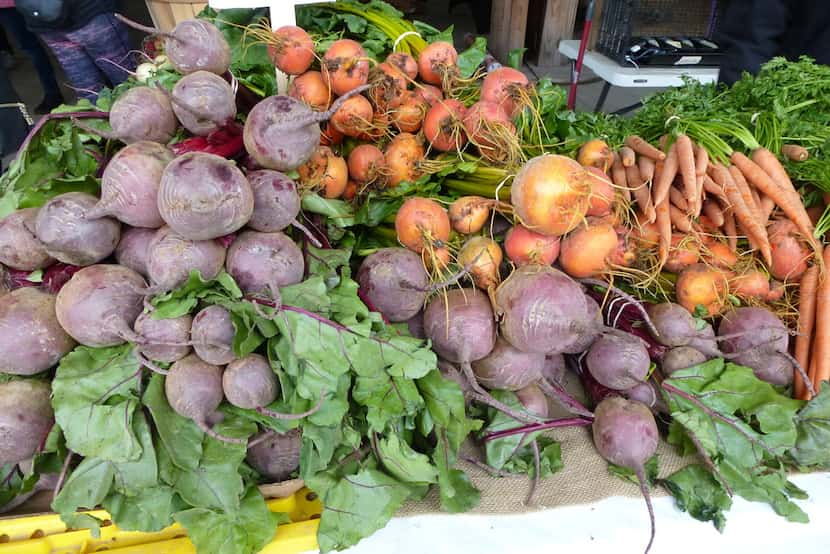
(15, 26)
(94, 56)
(13, 127)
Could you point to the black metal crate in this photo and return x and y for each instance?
(627, 22)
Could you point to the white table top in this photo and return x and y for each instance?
(646, 76)
(618, 525)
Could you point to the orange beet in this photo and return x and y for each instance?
(524, 246)
(550, 194)
(699, 285)
(586, 250)
(422, 223)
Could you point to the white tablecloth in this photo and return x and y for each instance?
(614, 526)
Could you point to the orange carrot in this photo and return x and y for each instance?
(640, 192)
(745, 215)
(821, 342)
(767, 205)
(627, 156)
(788, 200)
(679, 219)
(768, 161)
(646, 166)
(701, 161)
(701, 164)
(619, 179)
(795, 153)
(757, 200)
(663, 179)
(663, 212)
(643, 148)
(713, 212)
(806, 321)
(746, 191)
(730, 230)
(676, 198)
(711, 187)
(686, 166)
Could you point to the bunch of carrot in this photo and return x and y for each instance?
(812, 344)
(694, 208)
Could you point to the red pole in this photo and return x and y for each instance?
(583, 43)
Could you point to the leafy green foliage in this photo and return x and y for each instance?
(514, 453)
(246, 529)
(813, 426)
(652, 469)
(745, 426)
(250, 62)
(60, 158)
(323, 343)
(95, 398)
(696, 491)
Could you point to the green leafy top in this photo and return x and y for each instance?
(744, 428)
(388, 418)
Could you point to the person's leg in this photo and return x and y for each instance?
(14, 23)
(80, 70)
(28, 42)
(13, 126)
(107, 43)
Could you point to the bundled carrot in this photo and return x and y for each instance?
(646, 167)
(679, 219)
(640, 192)
(701, 164)
(676, 198)
(643, 148)
(686, 166)
(788, 200)
(744, 215)
(794, 152)
(619, 178)
(664, 176)
(806, 322)
(663, 220)
(627, 156)
(713, 212)
(821, 340)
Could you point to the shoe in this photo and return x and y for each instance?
(49, 103)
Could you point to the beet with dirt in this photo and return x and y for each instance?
(163, 340)
(133, 248)
(618, 361)
(143, 114)
(193, 388)
(203, 102)
(31, 338)
(100, 303)
(250, 382)
(276, 202)
(19, 246)
(276, 457)
(70, 236)
(542, 310)
(212, 334)
(395, 282)
(757, 339)
(625, 434)
(203, 196)
(171, 258)
(26, 418)
(130, 185)
(264, 262)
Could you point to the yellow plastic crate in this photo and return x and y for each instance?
(47, 534)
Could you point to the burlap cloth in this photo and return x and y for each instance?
(583, 479)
